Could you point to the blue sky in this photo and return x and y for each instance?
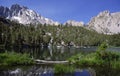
(63, 10)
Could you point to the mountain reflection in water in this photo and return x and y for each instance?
(51, 53)
(39, 71)
(54, 53)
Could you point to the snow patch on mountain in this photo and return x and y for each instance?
(24, 15)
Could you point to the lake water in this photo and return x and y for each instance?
(40, 70)
(55, 53)
(51, 53)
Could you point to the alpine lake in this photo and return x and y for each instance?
(55, 53)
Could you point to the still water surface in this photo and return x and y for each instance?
(55, 53)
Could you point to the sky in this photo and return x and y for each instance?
(63, 10)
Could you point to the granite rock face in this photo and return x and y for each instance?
(74, 23)
(106, 23)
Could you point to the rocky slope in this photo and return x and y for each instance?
(74, 23)
(106, 22)
(24, 15)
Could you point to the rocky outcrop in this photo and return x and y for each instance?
(24, 15)
(74, 23)
(106, 22)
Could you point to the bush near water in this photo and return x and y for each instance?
(101, 57)
(12, 58)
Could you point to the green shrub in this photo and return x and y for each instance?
(75, 58)
(101, 57)
(115, 64)
(62, 68)
(12, 58)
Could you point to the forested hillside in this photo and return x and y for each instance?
(12, 33)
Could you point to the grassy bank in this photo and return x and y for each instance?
(100, 58)
(63, 68)
(12, 58)
(93, 60)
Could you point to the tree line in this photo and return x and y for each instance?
(14, 34)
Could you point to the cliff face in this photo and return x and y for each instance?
(106, 22)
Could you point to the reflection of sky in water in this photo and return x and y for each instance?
(83, 73)
(55, 54)
(41, 71)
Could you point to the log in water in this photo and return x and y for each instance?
(50, 62)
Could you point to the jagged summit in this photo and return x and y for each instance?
(106, 22)
(17, 6)
(104, 13)
(24, 15)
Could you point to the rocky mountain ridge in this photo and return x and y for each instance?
(74, 23)
(106, 22)
(24, 15)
